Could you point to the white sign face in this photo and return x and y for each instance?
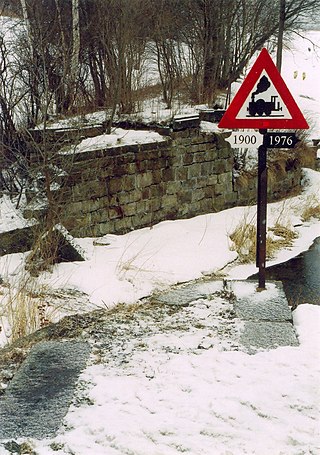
(264, 101)
(245, 139)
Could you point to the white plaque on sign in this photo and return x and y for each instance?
(245, 139)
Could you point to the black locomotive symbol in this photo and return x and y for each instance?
(260, 106)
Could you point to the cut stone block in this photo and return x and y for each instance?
(182, 123)
(211, 115)
(184, 294)
(267, 335)
(17, 240)
(61, 246)
(69, 250)
(268, 305)
(40, 394)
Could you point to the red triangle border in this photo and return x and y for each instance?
(263, 62)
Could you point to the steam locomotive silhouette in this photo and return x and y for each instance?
(260, 106)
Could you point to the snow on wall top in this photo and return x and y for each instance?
(117, 138)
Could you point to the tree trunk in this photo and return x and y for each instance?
(99, 93)
(34, 93)
(211, 57)
(27, 24)
(282, 19)
(74, 65)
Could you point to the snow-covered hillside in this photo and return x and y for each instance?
(301, 65)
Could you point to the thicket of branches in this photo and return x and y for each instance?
(71, 55)
(95, 52)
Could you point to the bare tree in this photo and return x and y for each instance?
(91, 51)
(226, 33)
(114, 40)
(282, 18)
(74, 64)
(167, 25)
(13, 148)
(292, 15)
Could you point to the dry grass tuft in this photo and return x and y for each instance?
(282, 237)
(283, 232)
(44, 252)
(244, 240)
(307, 155)
(23, 309)
(311, 209)
(311, 212)
(245, 177)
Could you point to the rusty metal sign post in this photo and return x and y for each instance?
(261, 242)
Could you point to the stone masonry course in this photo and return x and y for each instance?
(189, 173)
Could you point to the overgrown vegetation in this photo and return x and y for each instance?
(61, 57)
(76, 53)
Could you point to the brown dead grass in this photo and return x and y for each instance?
(311, 211)
(244, 241)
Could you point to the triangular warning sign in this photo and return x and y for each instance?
(263, 101)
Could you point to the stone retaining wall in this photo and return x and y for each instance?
(127, 187)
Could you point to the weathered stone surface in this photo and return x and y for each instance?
(267, 335)
(68, 249)
(181, 123)
(266, 316)
(186, 167)
(169, 201)
(69, 134)
(269, 305)
(211, 115)
(17, 240)
(40, 394)
(186, 293)
(59, 244)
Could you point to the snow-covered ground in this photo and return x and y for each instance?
(177, 396)
(300, 70)
(173, 397)
(125, 268)
(117, 138)
(10, 217)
